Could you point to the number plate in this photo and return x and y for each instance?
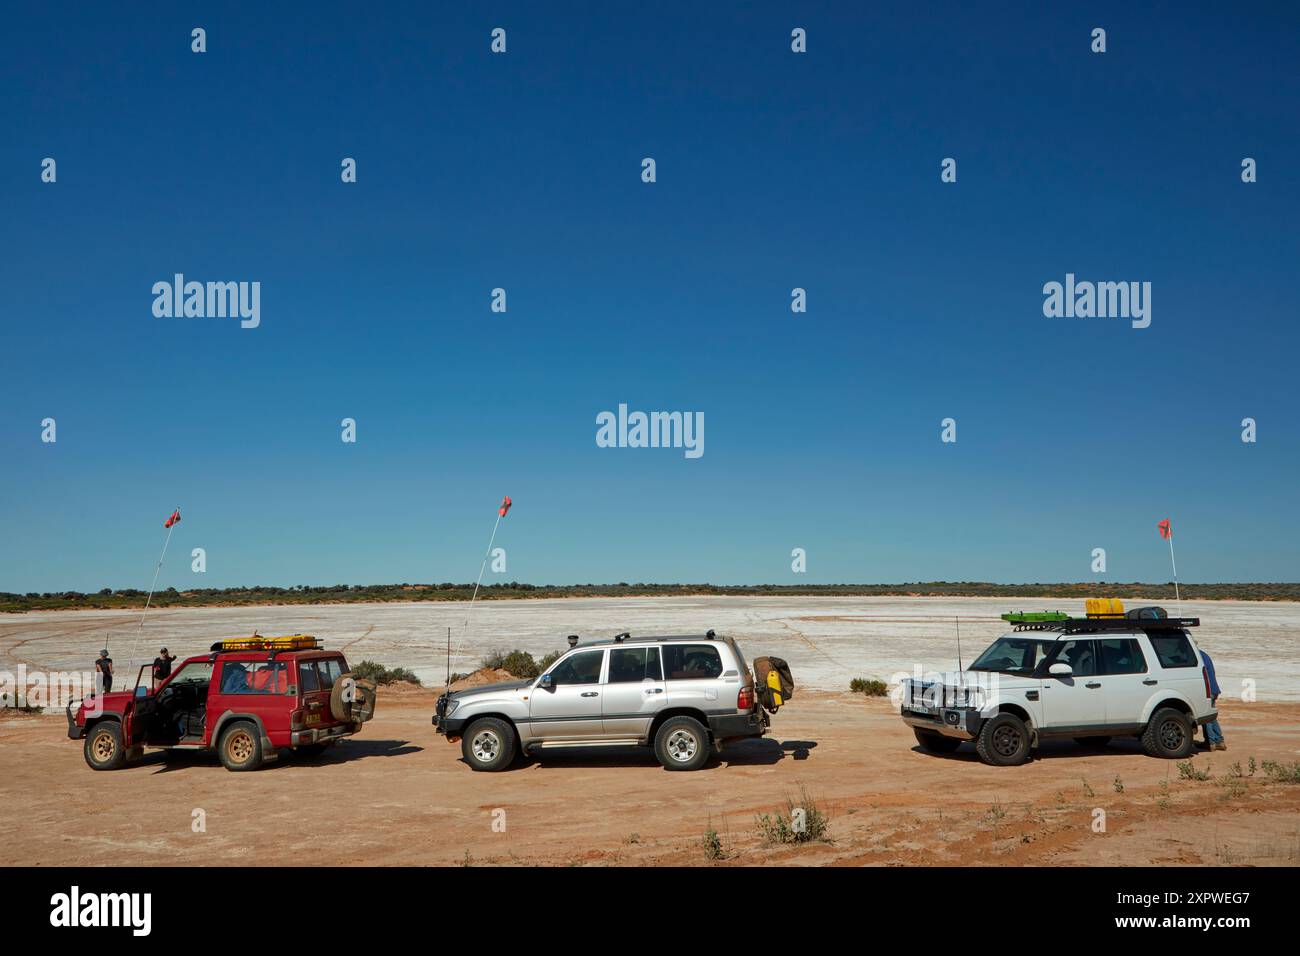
(313, 719)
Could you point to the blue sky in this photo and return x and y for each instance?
(522, 171)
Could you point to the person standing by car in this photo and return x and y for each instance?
(104, 667)
(1213, 732)
(162, 667)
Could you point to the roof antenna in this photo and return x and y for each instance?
(958, 620)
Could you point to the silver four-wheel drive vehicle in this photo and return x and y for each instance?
(680, 695)
(1138, 674)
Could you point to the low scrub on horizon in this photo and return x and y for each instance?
(132, 598)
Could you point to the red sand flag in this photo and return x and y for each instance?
(1166, 529)
(505, 506)
(176, 516)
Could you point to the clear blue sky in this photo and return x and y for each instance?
(522, 171)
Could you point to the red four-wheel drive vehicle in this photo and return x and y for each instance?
(245, 699)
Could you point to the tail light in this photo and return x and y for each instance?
(1205, 674)
(296, 721)
(745, 699)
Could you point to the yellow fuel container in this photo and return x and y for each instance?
(774, 682)
(1105, 607)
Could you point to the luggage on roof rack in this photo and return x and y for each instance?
(1034, 617)
(290, 642)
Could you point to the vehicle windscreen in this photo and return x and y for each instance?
(1013, 654)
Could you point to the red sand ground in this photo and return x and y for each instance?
(399, 794)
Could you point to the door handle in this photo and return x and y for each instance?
(1094, 685)
(655, 690)
(589, 693)
(1149, 682)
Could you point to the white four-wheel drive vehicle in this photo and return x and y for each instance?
(680, 695)
(1138, 674)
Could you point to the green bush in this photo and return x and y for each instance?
(1282, 772)
(369, 670)
(868, 686)
(802, 822)
(1187, 771)
(517, 663)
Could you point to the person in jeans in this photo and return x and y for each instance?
(1213, 732)
(104, 665)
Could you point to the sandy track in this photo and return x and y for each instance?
(399, 794)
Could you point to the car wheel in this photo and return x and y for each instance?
(104, 749)
(935, 743)
(488, 744)
(682, 743)
(1169, 734)
(240, 747)
(1003, 741)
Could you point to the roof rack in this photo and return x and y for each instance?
(290, 642)
(1097, 625)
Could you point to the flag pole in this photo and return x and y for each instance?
(130, 664)
(483, 567)
(1178, 601)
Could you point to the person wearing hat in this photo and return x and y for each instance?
(104, 667)
(162, 667)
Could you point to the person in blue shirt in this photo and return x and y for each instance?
(1213, 733)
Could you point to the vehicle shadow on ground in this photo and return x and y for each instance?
(1055, 750)
(744, 753)
(343, 752)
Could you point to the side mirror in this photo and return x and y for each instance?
(547, 682)
(141, 690)
(1060, 669)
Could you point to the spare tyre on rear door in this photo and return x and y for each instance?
(352, 699)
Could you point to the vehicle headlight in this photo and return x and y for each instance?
(451, 706)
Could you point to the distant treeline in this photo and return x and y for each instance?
(109, 599)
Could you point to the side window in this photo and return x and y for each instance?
(1121, 655)
(330, 671)
(1080, 655)
(691, 662)
(631, 665)
(581, 668)
(1174, 650)
(307, 677)
(260, 677)
(199, 673)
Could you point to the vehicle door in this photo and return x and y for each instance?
(330, 670)
(569, 709)
(1129, 683)
(692, 677)
(164, 716)
(1077, 701)
(633, 691)
(314, 695)
(1177, 664)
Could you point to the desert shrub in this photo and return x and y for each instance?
(868, 686)
(1187, 771)
(800, 822)
(518, 663)
(545, 663)
(1281, 772)
(370, 670)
